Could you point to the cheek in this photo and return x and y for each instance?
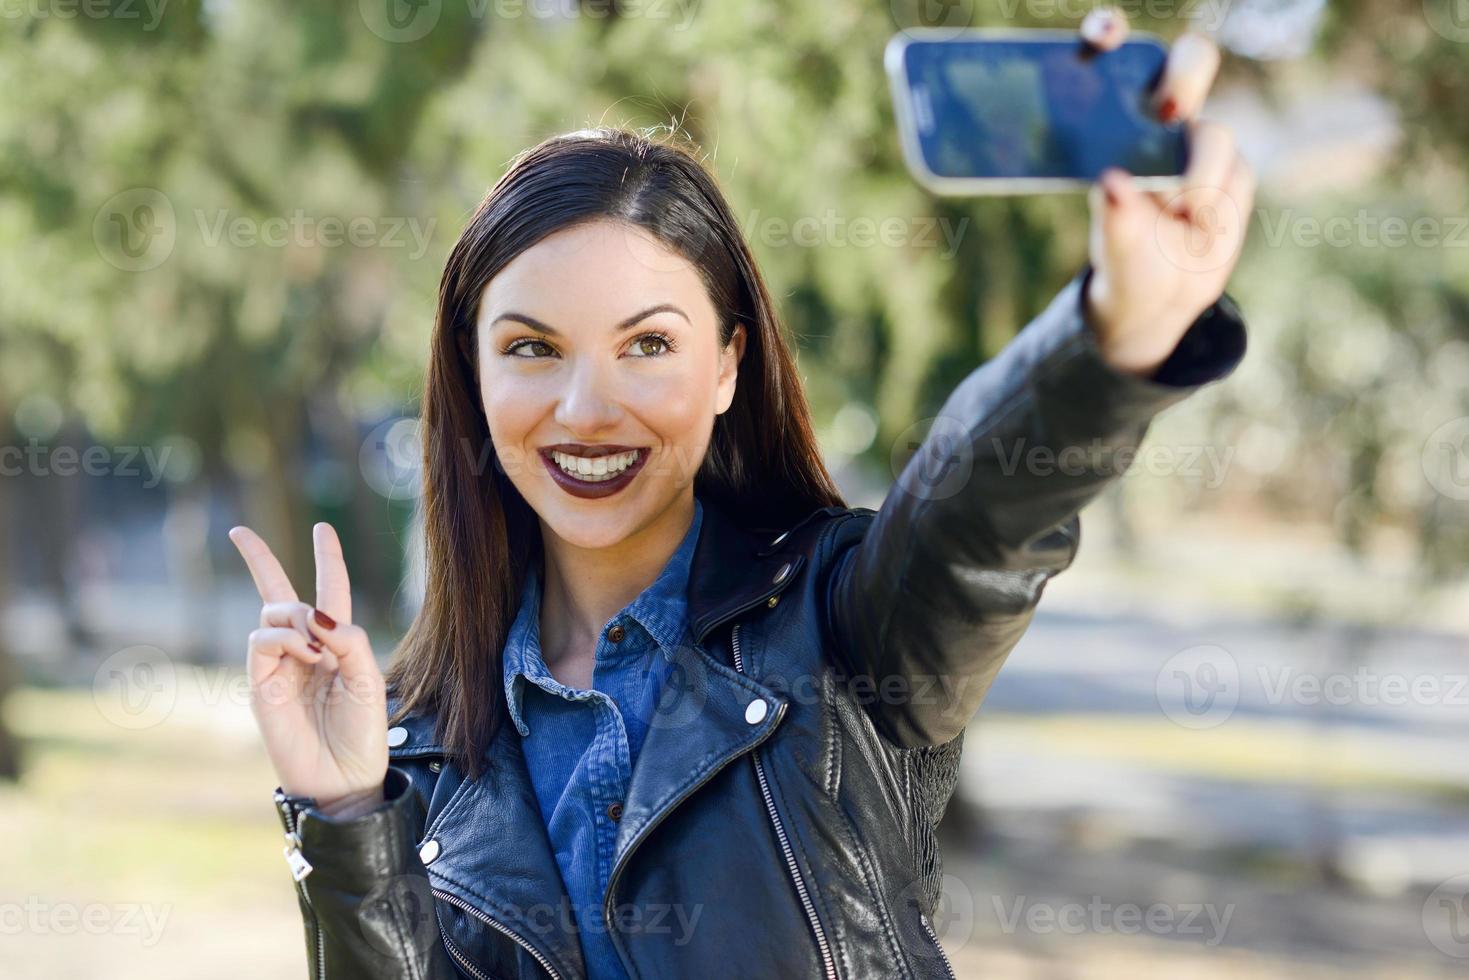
(513, 405)
(677, 407)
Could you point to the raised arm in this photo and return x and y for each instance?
(929, 597)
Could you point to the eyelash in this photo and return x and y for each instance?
(666, 340)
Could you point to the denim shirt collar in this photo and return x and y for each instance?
(661, 609)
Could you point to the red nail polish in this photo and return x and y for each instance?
(1168, 110)
(324, 621)
(315, 645)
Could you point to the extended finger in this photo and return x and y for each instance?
(1211, 158)
(333, 587)
(270, 578)
(1104, 28)
(1193, 61)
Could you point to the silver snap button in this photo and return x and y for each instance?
(397, 736)
(435, 766)
(780, 575)
(756, 710)
(428, 850)
(779, 538)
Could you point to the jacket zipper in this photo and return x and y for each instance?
(828, 964)
(524, 944)
(459, 954)
(948, 967)
(300, 868)
(617, 871)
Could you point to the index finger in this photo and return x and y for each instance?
(1193, 61)
(333, 588)
(270, 578)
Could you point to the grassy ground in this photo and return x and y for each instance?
(154, 853)
(142, 853)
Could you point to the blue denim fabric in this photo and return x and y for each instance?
(581, 745)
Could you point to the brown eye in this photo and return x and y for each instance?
(650, 345)
(529, 348)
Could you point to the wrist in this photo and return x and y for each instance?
(352, 805)
(1132, 345)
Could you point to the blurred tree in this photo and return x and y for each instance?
(175, 191)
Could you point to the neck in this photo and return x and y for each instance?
(582, 588)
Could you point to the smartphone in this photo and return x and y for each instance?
(1030, 111)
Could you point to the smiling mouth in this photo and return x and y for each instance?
(594, 469)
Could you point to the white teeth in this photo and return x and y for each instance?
(594, 469)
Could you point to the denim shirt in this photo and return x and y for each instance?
(580, 745)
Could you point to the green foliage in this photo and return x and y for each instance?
(252, 114)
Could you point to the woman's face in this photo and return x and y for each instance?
(601, 373)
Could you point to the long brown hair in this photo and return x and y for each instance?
(763, 466)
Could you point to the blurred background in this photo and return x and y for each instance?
(1233, 742)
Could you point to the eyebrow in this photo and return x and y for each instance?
(631, 321)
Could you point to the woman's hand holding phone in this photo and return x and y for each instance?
(315, 690)
(1160, 258)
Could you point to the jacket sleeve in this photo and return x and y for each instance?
(931, 597)
(366, 902)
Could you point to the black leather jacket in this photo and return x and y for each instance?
(780, 820)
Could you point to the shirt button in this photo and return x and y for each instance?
(614, 810)
(616, 633)
(396, 737)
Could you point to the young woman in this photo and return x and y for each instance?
(670, 709)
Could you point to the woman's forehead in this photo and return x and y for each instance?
(608, 269)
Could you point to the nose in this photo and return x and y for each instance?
(587, 405)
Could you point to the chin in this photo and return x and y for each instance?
(591, 524)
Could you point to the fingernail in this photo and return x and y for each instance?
(1168, 110)
(324, 621)
(315, 645)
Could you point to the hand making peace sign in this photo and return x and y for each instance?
(315, 690)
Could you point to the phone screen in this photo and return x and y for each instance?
(1039, 108)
